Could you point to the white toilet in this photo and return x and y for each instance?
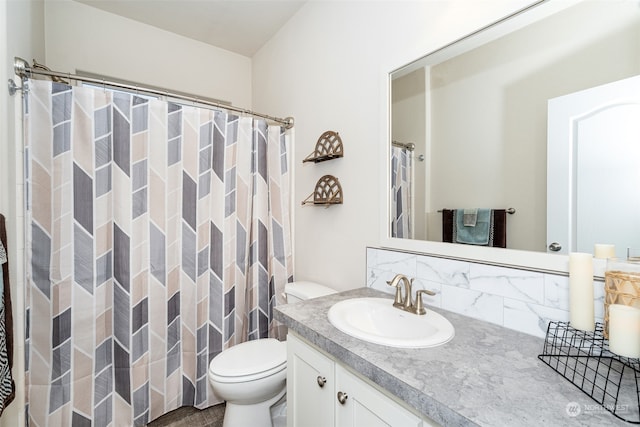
(251, 376)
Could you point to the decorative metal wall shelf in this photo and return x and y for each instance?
(328, 192)
(328, 147)
(583, 358)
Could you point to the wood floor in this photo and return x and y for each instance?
(189, 416)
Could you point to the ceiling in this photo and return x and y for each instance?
(241, 26)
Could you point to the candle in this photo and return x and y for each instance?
(604, 251)
(624, 330)
(581, 291)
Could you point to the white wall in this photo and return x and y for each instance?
(81, 37)
(23, 35)
(326, 67)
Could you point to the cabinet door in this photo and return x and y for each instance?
(310, 386)
(366, 406)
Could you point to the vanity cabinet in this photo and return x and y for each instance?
(321, 392)
(310, 385)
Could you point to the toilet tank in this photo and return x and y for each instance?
(300, 291)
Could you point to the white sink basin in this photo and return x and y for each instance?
(376, 320)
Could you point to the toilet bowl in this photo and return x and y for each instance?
(251, 376)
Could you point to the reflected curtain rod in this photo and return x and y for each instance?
(408, 145)
(24, 70)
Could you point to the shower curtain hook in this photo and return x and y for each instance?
(104, 87)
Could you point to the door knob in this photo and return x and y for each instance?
(555, 247)
(321, 381)
(342, 397)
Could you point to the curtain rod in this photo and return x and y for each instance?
(408, 145)
(24, 70)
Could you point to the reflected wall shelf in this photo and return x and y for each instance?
(328, 192)
(328, 147)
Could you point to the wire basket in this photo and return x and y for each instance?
(583, 358)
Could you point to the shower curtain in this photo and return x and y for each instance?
(158, 235)
(401, 177)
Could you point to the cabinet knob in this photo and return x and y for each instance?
(342, 397)
(321, 381)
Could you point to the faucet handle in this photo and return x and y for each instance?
(397, 302)
(419, 307)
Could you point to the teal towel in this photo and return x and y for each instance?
(473, 235)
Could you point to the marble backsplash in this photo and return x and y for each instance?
(517, 299)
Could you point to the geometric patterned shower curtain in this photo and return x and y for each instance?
(401, 177)
(159, 235)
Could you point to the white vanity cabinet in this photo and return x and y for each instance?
(321, 392)
(310, 385)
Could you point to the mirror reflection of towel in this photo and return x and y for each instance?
(478, 230)
(469, 217)
(497, 228)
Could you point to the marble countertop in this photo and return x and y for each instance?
(487, 375)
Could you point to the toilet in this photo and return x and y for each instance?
(251, 376)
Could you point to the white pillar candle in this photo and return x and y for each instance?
(581, 300)
(604, 251)
(624, 330)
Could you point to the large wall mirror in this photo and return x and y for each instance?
(469, 128)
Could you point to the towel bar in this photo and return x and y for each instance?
(509, 210)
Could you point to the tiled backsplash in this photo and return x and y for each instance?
(517, 299)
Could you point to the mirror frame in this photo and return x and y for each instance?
(521, 259)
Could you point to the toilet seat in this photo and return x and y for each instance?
(249, 361)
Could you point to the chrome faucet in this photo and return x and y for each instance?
(406, 303)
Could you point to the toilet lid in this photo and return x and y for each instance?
(249, 358)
